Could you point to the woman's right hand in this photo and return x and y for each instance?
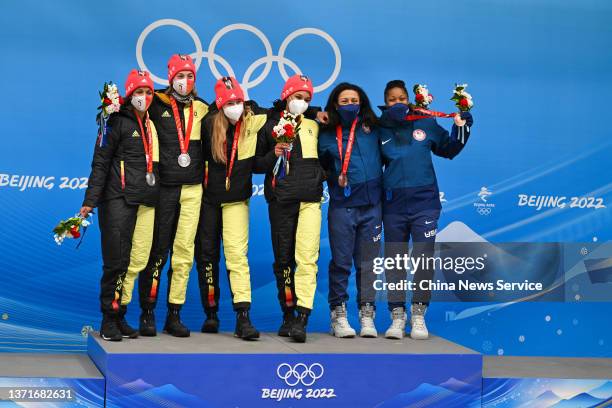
(85, 210)
(280, 148)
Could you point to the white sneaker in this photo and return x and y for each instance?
(340, 326)
(397, 329)
(418, 329)
(366, 319)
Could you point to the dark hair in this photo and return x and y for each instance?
(279, 105)
(396, 83)
(368, 117)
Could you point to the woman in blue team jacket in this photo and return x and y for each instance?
(354, 215)
(411, 204)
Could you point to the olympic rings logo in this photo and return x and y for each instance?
(483, 210)
(268, 60)
(300, 373)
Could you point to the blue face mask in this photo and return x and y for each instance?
(398, 111)
(348, 113)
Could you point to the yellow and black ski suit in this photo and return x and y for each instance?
(126, 206)
(179, 204)
(294, 208)
(225, 214)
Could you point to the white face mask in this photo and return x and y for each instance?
(297, 106)
(180, 86)
(233, 112)
(139, 102)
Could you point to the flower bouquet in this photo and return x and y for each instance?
(110, 102)
(73, 227)
(285, 131)
(463, 100)
(422, 97)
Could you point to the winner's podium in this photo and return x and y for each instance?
(217, 370)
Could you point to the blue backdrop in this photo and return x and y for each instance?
(539, 72)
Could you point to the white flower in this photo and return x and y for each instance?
(279, 130)
(85, 223)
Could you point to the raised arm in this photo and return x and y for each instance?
(450, 146)
(102, 161)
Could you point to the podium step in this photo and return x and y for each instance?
(557, 382)
(63, 380)
(217, 370)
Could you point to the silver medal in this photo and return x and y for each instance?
(184, 160)
(150, 177)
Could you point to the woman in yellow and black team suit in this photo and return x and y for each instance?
(177, 113)
(124, 185)
(229, 144)
(294, 206)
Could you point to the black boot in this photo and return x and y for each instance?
(288, 318)
(127, 331)
(110, 330)
(298, 328)
(147, 323)
(173, 325)
(244, 329)
(211, 324)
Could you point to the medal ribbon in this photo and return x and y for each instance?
(425, 113)
(228, 171)
(147, 141)
(183, 139)
(349, 146)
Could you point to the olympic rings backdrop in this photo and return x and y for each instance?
(537, 168)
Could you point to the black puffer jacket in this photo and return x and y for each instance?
(163, 117)
(241, 185)
(119, 165)
(304, 183)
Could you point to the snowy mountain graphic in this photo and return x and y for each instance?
(583, 400)
(544, 400)
(166, 395)
(604, 391)
(449, 394)
(457, 231)
(456, 385)
(135, 387)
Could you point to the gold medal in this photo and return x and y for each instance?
(227, 184)
(342, 180)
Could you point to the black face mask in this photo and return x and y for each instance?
(398, 111)
(348, 113)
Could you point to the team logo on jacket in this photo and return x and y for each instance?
(166, 114)
(135, 134)
(419, 135)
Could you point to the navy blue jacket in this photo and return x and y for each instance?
(365, 168)
(410, 183)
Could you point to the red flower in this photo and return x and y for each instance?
(419, 97)
(107, 101)
(74, 231)
(289, 132)
(464, 102)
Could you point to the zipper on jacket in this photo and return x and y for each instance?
(122, 164)
(206, 174)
